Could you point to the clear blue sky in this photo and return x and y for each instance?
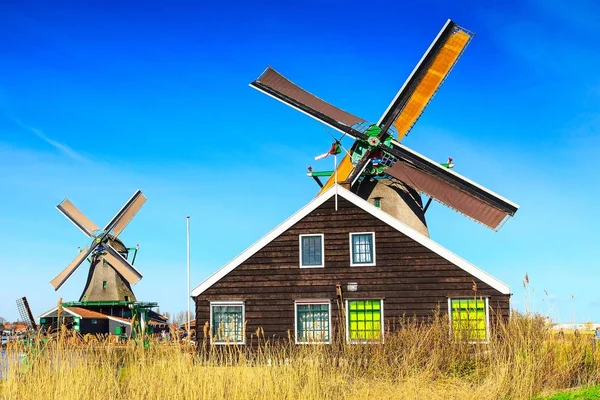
(98, 99)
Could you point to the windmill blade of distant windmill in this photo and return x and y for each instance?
(277, 86)
(121, 265)
(425, 79)
(125, 214)
(129, 214)
(450, 188)
(66, 273)
(77, 217)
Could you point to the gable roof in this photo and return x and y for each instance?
(369, 208)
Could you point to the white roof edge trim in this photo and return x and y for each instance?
(371, 209)
(48, 312)
(64, 309)
(118, 319)
(396, 143)
(250, 251)
(427, 242)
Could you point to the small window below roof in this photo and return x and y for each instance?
(362, 249)
(377, 202)
(312, 254)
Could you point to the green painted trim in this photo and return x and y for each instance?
(320, 173)
(139, 304)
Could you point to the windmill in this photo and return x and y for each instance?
(378, 166)
(111, 275)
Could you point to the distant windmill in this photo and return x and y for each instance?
(377, 165)
(111, 275)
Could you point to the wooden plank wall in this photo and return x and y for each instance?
(411, 279)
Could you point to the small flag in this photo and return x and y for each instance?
(448, 164)
(335, 149)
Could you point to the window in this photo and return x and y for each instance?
(313, 322)
(469, 318)
(227, 322)
(364, 320)
(362, 249)
(311, 251)
(377, 202)
(103, 284)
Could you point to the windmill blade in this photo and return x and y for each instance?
(66, 273)
(277, 86)
(125, 214)
(450, 188)
(121, 265)
(425, 79)
(344, 169)
(77, 217)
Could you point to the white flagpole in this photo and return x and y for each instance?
(335, 179)
(187, 297)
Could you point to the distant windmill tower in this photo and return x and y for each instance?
(111, 274)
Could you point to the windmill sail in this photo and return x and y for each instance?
(276, 85)
(125, 214)
(121, 265)
(450, 188)
(102, 242)
(61, 278)
(426, 78)
(82, 222)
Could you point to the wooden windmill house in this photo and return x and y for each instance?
(107, 303)
(359, 255)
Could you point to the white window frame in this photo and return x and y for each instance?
(322, 250)
(228, 303)
(487, 317)
(348, 323)
(352, 264)
(311, 302)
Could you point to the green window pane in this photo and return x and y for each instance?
(469, 318)
(364, 318)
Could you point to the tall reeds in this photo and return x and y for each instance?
(420, 359)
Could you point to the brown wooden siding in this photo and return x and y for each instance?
(411, 279)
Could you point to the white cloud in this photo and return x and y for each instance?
(63, 148)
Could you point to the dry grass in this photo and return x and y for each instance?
(523, 360)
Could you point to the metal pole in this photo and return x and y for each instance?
(188, 279)
(335, 180)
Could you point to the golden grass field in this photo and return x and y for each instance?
(523, 360)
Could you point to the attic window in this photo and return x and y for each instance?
(311, 251)
(103, 284)
(377, 202)
(362, 249)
